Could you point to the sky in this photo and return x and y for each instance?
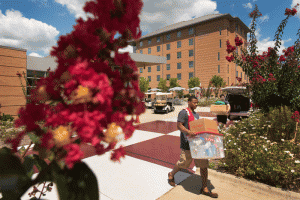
(36, 25)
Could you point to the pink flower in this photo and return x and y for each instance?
(229, 58)
(118, 153)
(282, 58)
(74, 154)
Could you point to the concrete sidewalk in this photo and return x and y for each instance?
(228, 187)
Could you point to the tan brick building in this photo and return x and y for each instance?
(12, 60)
(194, 48)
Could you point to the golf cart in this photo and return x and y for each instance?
(239, 103)
(149, 99)
(164, 102)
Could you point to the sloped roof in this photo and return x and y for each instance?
(179, 25)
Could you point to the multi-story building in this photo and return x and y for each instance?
(194, 48)
(14, 89)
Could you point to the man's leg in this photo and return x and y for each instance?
(203, 164)
(204, 175)
(184, 162)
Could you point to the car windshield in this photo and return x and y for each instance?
(161, 97)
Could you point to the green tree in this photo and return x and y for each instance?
(163, 85)
(194, 82)
(144, 84)
(173, 82)
(217, 82)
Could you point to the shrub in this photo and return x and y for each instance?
(7, 117)
(205, 102)
(251, 152)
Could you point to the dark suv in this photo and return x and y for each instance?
(239, 104)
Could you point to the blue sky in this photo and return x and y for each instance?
(37, 24)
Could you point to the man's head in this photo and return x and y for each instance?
(222, 97)
(193, 102)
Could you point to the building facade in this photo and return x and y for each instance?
(15, 60)
(12, 97)
(195, 48)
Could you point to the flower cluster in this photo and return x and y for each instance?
(255, 13)
(230, 48)
(238, 79)
(238, 41)
(271, 77)
(295, 116)
(292, 11)
(91, 90)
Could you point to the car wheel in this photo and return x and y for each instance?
(155, 112)
(167, 111)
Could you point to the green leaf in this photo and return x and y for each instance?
(13, 176)
(28, 164)
(39, 163)
(76, 183)
(33, 137)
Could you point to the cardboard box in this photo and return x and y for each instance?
(204, 125)
(219, 109)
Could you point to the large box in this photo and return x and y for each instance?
(208, 143)
(206, 146)
(219, 109)
(204, 125)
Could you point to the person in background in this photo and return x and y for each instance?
(184, 117)
(223, 118)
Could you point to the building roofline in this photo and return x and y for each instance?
(13, 48)
(226, 15)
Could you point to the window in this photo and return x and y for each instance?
(220, 43)
(228, 69)
(179, 76)
(149, 41)
(158, 77)
(141, 70)
(179, 34)
(241, 75)
(141, 44)
(168, 46)
(158, 39)
(168, 36)
(178, 65)
(149, 69)
(228, 80)
(168, 76)
(220, 29)
(178, 54)
(149, 78)
(178, 44)
(237, 74)
(236, 27)
(149, 50)
(158, 68)
(141, 51)
(219, 69)
(134, 49)
(33, 76)
(168, 56)
(191, 31)
(237, 50)
(168, 67)
(191, 41)
(158, 48)
(191, 64)
(218, 55)
(191, 53)
(191, 74)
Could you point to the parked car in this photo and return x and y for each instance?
(149, 99)
(164, 102)
(239, 103)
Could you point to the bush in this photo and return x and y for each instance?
(205, 102)
(186, 96)
(253, 151)
(7, 117)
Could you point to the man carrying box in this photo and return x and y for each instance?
(184, 117)
(223, 118)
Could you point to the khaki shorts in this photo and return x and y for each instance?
(186, 160)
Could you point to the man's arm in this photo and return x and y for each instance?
(184, 130)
